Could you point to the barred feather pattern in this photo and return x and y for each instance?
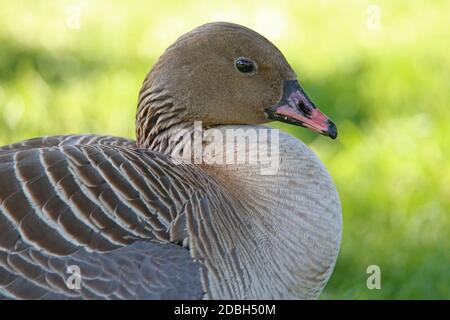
(158, 119)
(96, 202)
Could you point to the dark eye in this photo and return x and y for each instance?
(245, 65)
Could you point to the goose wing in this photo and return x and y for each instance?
(95, 209)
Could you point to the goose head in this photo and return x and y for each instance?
(223, 74)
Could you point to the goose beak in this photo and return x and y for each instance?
(296, 108)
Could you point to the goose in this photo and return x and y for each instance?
(102, 217)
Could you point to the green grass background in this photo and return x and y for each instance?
(387, 89)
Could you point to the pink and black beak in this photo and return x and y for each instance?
(296, 108)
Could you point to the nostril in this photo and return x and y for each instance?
(304, 109)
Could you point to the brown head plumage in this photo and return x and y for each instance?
(220, 73)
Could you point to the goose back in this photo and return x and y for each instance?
(117, 212)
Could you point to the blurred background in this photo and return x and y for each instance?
(380, 69)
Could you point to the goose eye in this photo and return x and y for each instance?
(245, 65)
